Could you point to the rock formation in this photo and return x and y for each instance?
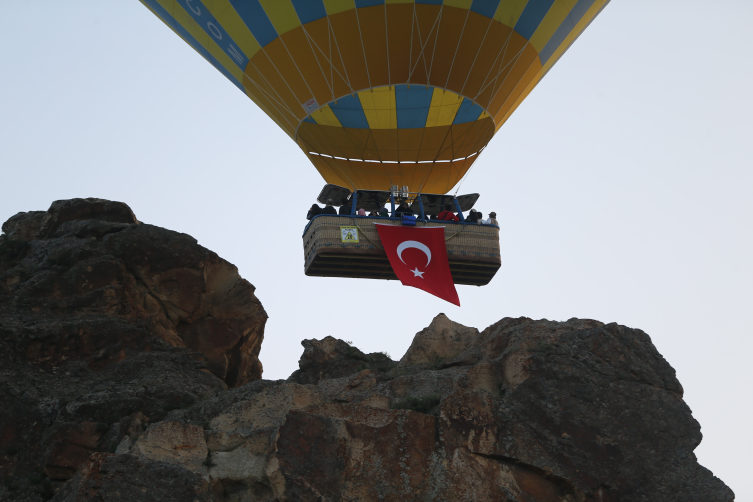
(123, 392)
(106, 324)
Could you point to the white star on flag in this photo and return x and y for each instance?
(416, 273)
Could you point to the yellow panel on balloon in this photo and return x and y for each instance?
(336, 6)
(379, 107)
(325, 116)
(282, 14)
(444, 106)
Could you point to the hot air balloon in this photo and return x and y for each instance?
(382, 94)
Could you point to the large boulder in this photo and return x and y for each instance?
(106, 325)
(332, 358)
(443, 339)
(525, 411)
(86, 265)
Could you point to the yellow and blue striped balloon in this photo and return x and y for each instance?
(383, 92)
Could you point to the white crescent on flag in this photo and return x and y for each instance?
(413, 244)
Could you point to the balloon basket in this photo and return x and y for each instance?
(349, 246)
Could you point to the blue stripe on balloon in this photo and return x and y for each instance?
(214, 29)
(565, 28)
(430, 2)
(368, 3)
(412, 105)
(485, 7)
(252, 13)
(309, 10)
(175, 25)
(532, 16)
(468, 112)
(349, 112)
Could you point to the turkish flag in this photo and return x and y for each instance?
(418, 256)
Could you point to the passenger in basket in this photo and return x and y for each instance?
(447, 214)
(361, 212)
(480, 218)
(492, 220)
(403, 209)
(373, 213)
(314, 211)
(345, 208)
(328, 209)
(384, 212)
(472, 217)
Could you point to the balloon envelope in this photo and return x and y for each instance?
(383, 92)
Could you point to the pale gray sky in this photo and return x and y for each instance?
(623, 185)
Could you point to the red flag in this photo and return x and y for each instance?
(418, 256)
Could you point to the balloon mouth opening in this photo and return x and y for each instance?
(398, 161)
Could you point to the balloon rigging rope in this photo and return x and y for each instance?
(384, 170)
(266, 108)
(299, 72)
(476, 57)
(421, 56)
(281, 77)
(423, 182)
(452, 142)
(269, 95)
(410, 51)
(331, 82)
(449, 133)
(502, 52)
(458, 47)
(462, 180)
(387, 39)
(512, 61)
(517, 56)
(360, 35)
(339, 53)
(431, 65)
(333, 164)
(272, 99)
(331, 66)
(436, 37)
(503, 81)
(330, 37)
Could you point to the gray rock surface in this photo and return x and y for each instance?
(441, 341)
(523, 411)
(124, 478)
(106, 325)
(129, 371)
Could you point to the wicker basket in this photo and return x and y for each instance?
(472, 250)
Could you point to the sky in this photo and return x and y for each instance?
(623, 186)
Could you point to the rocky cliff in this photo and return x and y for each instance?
(129, 371)
(106, 324)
